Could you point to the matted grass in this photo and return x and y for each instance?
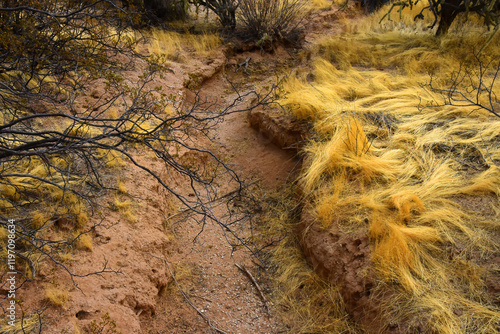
(170, 44)
(386, 151)
(304, 302)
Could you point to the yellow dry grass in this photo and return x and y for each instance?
(305, 303)
(385, 153)
(171, 44)
(20, 326)
(38, 82)
(309, 304)
(55, 296)
(84, 242)
(126, 209)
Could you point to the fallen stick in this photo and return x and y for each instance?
(187, 298)
(254, 282)
(213, 201)
(245, 63)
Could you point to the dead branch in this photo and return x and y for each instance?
(472, 86)
(254, 282)
(186, 298)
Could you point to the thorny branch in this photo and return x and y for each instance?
(473, 86)
(188, 300)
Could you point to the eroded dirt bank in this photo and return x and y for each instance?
(139, 293)
(136, 288)
(156, 247)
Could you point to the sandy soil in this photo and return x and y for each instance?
(141, 296)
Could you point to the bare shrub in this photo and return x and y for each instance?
(166, 10)
(271, 20)
(224, 9)
(473, 85)
(446, 11)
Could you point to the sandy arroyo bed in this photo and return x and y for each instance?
(158, 239)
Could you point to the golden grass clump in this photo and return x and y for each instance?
(84, 242)
(389, 152)
(122, 187)
(55, 296)
(111, 158)
(488, 182)
(39, 82)
(305, 303)
(320, 4)
(48, 208)
(309, 304)
(406, 46)
(3, 233)
(171, 44)
(165, 42)
(54, 192)
(39, 219)
(80, 129)
(125, 208)
(27, 324)
(204, 43)
(350, 152)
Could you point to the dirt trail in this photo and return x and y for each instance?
(221, 291)
(142, 297)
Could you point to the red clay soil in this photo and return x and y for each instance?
(141, 297)
(345, 260)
